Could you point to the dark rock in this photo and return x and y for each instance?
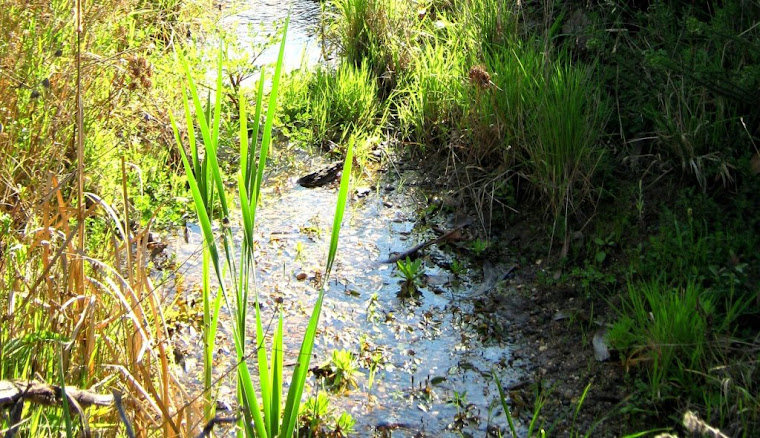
(321, 177)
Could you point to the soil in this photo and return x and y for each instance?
(554, 327)
(552, 322)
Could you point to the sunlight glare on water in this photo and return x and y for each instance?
(426, 351)
(266, 16)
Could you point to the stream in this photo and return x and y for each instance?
(254, 19)
(432, 355)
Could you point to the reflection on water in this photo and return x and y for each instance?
(433, 369)
(265, 16)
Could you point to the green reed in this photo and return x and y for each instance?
(264, 416)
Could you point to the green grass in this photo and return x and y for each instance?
(430, 98)
(468, 85)
(563, 136)
(326, 107)
(75, 287)
(264, 414)
(343, 101)
(373, 31)
(668, 331)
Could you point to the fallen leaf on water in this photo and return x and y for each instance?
(437, 380)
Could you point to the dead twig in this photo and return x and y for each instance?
(14, 391)
(213, 422)
(410, 252)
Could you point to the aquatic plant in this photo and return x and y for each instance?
(318, 419)
(479, 246)
(315, 414)
(263, 415)
(343, 370)
(411, 271)
(456, 267)
(344, 425)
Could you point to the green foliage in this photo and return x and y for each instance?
(535, 429)
(668, 330)
(479, 246)
(318, 419)
(456, 267)
(345, 424)
(563, 136)
(430, 97)
(693, 72)
(314, 415)
(342, 371)
(327, 105)
(703, 243)
(59, 295)
(373, 31)
(343, 100)
(267, 417)
(491, 23)
(410, 270)
(525, 104)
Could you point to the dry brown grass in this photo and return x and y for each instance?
(68, 292)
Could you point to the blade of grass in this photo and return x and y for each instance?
(261, 354)
(249, 183)
(290, 414)
(203, 217)
(503, 398)
(340, 207)
(267, 137)
(277, 359)
(65, 399)
(578, 407)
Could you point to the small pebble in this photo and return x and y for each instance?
(301, 276)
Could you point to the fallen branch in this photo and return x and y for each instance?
(218, 420)
(13, 391)
(410, 252)
(13, 394)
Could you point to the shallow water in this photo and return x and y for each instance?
(255, 19)
(434, 375)
(430, 356)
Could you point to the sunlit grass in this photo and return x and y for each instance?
(264, 414)
(78, 305)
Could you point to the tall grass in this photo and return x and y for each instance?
(563, 135)
(490, 23)
(343, 100)
(77, 302)
(431, 94)
(378, 32)
(264, 414)
(668, 330)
